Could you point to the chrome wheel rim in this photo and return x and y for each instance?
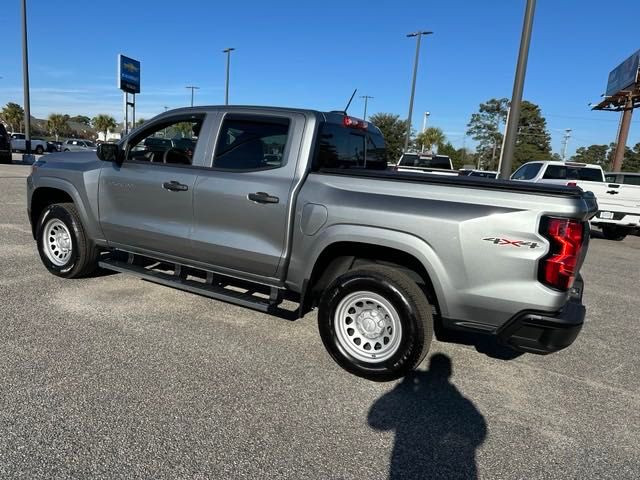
(57, 243)
(367, 327)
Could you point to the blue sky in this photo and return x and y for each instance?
(313, 54)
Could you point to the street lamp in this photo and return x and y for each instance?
(226, 89)
(366, 101)
(25, 75)
(192, 89)
(424, 122)
(413, 84)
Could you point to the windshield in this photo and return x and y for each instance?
(90, 144)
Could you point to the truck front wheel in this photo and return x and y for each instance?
(375, 322)
(65, 249)
(613, 232)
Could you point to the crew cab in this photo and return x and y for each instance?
(619, 213)
(266, 204)
(19, 144)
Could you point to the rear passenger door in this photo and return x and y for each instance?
(242, 203)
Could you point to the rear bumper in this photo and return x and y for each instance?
(544, 332)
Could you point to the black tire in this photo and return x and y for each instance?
(39, 150)
(84, 254)
(613, 232)
(66, 149)
(409, 301)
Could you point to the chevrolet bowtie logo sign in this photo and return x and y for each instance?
(130, 67)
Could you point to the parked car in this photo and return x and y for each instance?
(53, 146)
(76, 145)
(384, 256)
(18, 144)
(5, 145)
(619, 204)
(425, 163)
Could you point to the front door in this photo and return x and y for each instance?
(241, 204)
(146, 202)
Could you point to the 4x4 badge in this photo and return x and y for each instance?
(513, 243)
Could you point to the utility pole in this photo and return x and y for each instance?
(413, 84)
(565, 143)
(623, 135)
(226, 89)
(518, 87)
(192, 89)
(366, 98)
(25, 77)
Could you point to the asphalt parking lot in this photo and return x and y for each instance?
(114, 377)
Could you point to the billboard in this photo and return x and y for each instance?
(624, 75)
(128, 74)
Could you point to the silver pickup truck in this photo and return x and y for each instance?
(273, 207)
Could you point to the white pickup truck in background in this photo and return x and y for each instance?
(18, 143)
(618, 201)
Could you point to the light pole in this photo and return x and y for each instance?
(424, 122)
(25, 75)
(192, 89)
(226, 88)
(366, 101)
(413, 84)
(565, 143)
(424, 126)
(518, 87)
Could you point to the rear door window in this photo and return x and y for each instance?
(341, 147)
(251, 143)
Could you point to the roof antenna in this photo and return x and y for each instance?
(350, 100)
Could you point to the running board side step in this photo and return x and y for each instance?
(212, 286)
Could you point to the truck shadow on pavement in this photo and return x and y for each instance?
(437, 429)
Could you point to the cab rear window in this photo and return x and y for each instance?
(562, 172)
(342, 147)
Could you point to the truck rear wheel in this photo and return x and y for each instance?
(613, 232)
(63, 245)
(376, 323)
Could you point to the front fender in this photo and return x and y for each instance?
(86, 203)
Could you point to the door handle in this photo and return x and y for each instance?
(175, 186)
(262, 197)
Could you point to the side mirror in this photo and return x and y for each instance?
(109, 152)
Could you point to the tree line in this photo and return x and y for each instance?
(60, 125)
(486, 126)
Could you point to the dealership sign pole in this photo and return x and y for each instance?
(622, 95)
(129, 83)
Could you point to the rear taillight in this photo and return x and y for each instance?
(558, 268)
(572, 184)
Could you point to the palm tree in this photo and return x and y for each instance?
(430, 137)
(104, 123)
(13, 115)
(56, 124)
